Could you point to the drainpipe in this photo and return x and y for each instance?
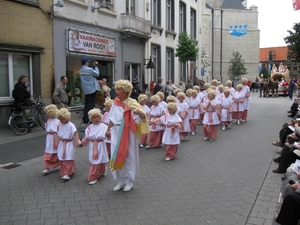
(212, 44)
(221, 47)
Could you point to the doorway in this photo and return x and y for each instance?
(132, 72)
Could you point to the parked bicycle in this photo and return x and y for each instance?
(20, 122)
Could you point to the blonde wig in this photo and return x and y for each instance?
(172, 106)
(142, 98)
(94, 112)
(221, 87)
(108, 102)
(51, 110)
(155, 98)
(181, 94)
(176, 91)
(239, 87)
(161, 95)
(214, 82)
(194, 92)
(125, 85)
(212, 92)
(227, 90)
(206, 86)
(229, 82)
(196, 87)
(63, 113)
(245, 80)
(188, 92)
(171, 98)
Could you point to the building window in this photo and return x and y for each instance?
(170, 15)
(169, 64)
(295, 67)
(156, 13)
(193, 24)
(155, 53)
(182, 17)
(12, 66)
(271, 56)
(130, 7)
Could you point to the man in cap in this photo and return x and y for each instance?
(89, 85)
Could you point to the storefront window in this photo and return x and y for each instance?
(12, 66)
(73, 75)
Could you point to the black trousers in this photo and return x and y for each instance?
(287, 158)
(290, 210)
(89, 104)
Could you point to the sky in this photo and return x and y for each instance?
(275, 17)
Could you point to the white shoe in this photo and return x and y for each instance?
(148, 147)
(223, 128)
(238, 122)
(167, 159)
(243, 121)
(105, 171)
(45, 171)
(193, 133)
(206, 138)
(211, 139)
(229, 125)
(93, 182)
(141, 146)
(119, 186)
(66, 177)
(128, 186)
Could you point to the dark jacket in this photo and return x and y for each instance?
(21, 95)
(158, 88)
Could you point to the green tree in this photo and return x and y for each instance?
(237, 66)
(264, 72)
(293, 42)
(187, 49)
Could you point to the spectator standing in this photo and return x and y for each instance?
(100, 95)
(106, 88)
(113, 91)
(21, 94)
(291, 89)
(158, 86)
(89, 85)
(135, 90)
(168, 89)
(60, 95)
(183, 85)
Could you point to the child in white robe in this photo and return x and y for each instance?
(194, 111)
(105, 119)
(247, 92)
(143, 99)
(211, 107)
(183, 114)
(94, 137)
(238, 104)
(68, 140)
(155, 112)
(171, 138)
(229, 85)
(226, 111)
(50, 156)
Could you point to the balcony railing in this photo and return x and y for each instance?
(135, 24)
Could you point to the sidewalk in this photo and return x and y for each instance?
(228, 181)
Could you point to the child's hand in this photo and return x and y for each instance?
(80, 146)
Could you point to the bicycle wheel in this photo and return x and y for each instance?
(18, 124)
(42, 119)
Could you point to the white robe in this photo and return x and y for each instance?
(212, 111)
(184, 108)
(194, 108)
(238, 106)
(154, 113)
(246, 90)
(66, 131)
(96, 132)
(226, 104)
(131, 166)
(51, 126)
(170, 138)
(105, 119)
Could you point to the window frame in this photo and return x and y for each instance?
(29, 2)
(157, 11)
(193, 24)
(128, 3)
(169, 66)
(182, 17)
(170, 15)
(156, 59)
(11, 72)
